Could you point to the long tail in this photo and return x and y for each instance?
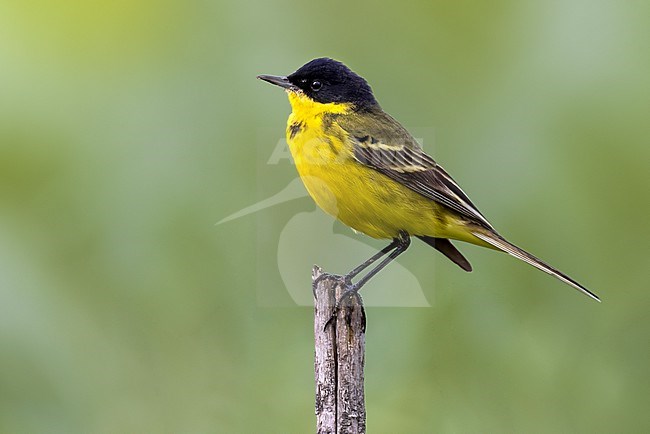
(500, 243)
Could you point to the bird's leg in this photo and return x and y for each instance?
(393, 245)
(396, 248)
(402, 241)
(347, 278)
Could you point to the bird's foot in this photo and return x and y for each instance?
(326, 276)
(351, 290)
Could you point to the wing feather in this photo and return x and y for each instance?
(409, 165)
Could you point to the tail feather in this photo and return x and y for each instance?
(501, 244)
(445, 247)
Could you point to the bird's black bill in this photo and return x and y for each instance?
(277, 80)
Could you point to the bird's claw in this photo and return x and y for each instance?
(323, 276)
(350, 290)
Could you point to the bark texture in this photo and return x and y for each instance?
(339, 357)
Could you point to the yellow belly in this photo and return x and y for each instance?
(367, 203)
(361, 197)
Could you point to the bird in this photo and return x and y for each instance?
(361, 166)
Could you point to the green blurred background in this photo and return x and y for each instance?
(128, 128)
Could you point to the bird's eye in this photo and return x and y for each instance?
(316, 85)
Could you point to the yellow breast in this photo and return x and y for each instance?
(359, 196)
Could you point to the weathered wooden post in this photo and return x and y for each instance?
(338, 357)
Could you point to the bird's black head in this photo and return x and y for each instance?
(325, 81)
